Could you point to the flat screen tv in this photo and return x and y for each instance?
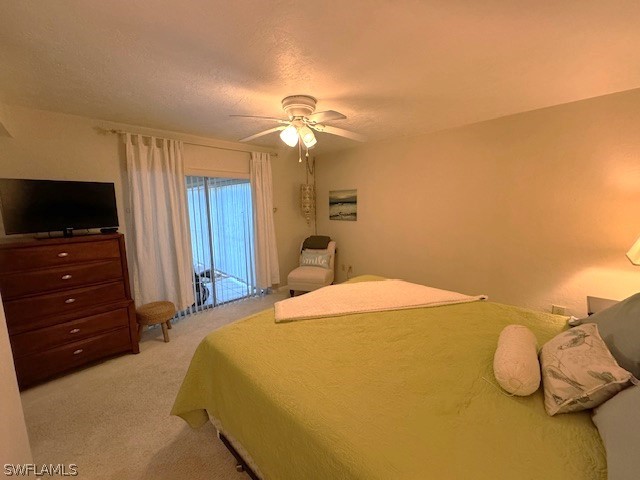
(33, 206)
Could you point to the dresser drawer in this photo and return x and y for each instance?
(40, 311)
(34, 256)
(43, 339)
(39, 366)
(38, 281)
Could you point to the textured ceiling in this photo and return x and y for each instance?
(393, 67)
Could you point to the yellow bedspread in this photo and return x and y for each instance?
(389, 395)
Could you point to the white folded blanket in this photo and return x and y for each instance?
(362, 297)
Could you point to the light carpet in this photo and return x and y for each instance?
(112, 419)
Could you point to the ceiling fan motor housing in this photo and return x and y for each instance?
(298, 105)
(302, 119)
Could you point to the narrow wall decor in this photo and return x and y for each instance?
(343, 205)
(307, 201)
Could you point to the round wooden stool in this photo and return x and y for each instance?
(154, 313)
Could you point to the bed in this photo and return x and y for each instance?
(402, 394)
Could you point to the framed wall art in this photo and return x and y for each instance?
(343, 205)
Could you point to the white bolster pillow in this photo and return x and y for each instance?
(515, 363)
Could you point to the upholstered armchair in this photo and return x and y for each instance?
(317, 265)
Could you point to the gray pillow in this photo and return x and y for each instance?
(618, 421)
(619, 327)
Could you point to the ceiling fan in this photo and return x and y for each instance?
(302, 120)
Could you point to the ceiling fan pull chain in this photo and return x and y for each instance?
(311, 167)
(299, 153)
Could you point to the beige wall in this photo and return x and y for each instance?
(54, 146)
(291, 226)
(14, 443)
(214, 162)
(57, 146)
(531, 209)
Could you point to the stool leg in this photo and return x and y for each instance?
(140, 328)
(165, 331)
(169, 324)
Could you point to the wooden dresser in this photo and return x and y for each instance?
(67, 303)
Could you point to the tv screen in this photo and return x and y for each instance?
(32, 206)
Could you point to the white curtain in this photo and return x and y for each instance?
(267, 269)
(159, 221)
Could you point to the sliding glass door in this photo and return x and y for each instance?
(221, 222)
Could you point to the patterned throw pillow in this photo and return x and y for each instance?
(579, 372)
(314, 259)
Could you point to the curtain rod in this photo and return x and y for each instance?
(117, 132)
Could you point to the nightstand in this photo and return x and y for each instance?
(596, 304)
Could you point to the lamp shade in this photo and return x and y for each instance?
(290, 136)
(634, 253)
(307, 136)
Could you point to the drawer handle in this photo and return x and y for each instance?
(75, 330)
(78, 352)
(70, 300)
(63, 254)
(66, 277)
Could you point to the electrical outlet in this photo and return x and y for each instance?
(349, 271)
(558, 309)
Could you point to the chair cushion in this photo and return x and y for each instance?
(306, 279)
(317, 242)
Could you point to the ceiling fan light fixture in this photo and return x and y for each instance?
(307, 136)
(302, 123)
(290, 136)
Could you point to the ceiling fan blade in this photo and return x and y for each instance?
(274, 119)
(339, 132)
(326, 116)
(260, 134)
